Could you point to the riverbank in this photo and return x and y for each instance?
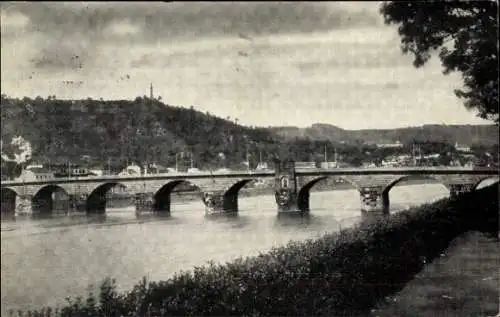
(341, 274)
(463, 281)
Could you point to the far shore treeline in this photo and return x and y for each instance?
(112, 134)
(338, 274)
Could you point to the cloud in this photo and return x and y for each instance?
(13, 20)
(62, 54)
(65, 30)
(123, 28)
(264, 63)
(164, 20)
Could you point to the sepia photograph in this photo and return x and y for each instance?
(217, 158)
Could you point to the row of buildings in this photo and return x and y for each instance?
(38, 172)
(464, 157)
(460, 148)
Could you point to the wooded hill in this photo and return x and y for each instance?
(146, 130)
(485, 135)
(142, 130)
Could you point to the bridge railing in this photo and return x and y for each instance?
(263, 173)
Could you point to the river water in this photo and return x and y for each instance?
(43, 261)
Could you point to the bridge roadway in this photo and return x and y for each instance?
(219, 191)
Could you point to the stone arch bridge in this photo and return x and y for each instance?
(219, 191)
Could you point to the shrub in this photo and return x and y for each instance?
(339, 274)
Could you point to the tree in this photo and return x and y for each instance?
(465, 33)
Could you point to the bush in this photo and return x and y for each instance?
(339, 274)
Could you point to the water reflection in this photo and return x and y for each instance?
(293, 215)
(291, 221)
(46, 215)
(7, 217)
(367, 217)
(153, 216)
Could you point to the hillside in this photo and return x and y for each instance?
(141, 130)
(486, 135)
(114, 133)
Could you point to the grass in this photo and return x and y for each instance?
(341, 274)
(462, 282)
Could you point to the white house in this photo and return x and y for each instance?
(130, 170)
(398, 144)
(35, 174)
(462, 148)
(262, 166)
(97, 172)
(35, 165)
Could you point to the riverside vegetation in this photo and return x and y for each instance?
(340, 274)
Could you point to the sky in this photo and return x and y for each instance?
(263, 63)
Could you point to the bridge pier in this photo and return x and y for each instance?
(220, 202)
(148, 203)
(288, 202)
(24, 205)
(459, 189)
(374, 199)
(144, 203)
(285, 189)
(78, 203)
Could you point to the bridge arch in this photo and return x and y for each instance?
(485, 180)
(96, 200)
(234, 189)
(43, 200)
(398, 180)
(8, 200)
(162, 197)
(230, 199)
(304, 192)
(385, 191)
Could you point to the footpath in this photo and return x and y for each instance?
(464, 281)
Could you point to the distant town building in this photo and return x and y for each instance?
(397, 160)
(462, 148)
(34, 165)
(262, 166)
(389, 162)
(328, 165)
(305, 165)
(35, 174)
(70, 170)
(369, 164)
(131, 170)
(398, 144)
(154, 168)
(96, 171)
(432, 156)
